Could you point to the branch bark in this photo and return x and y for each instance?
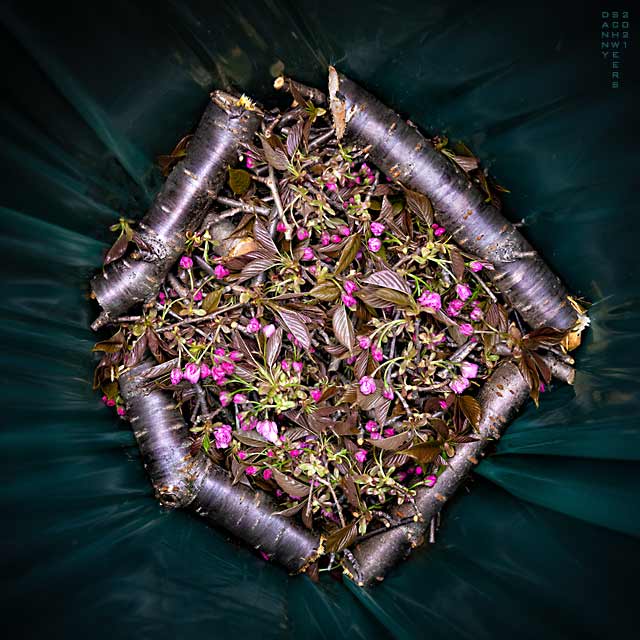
(180, 205)
(407, 156)
(501, 398)
(194, 482)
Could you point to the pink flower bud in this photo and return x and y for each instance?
(251, 470)
(281, 227)
(197, 296)
(121, 411)
(463, 291)
(465, 329)
(225, 398)
(364, 342)
(454, 307)
(431, 480)
(267, 473)
(176, 375)
(302, 234)
(335, 238)
(268, 330)
(387, 393)
(205, 371)
(344, 231)
(371, 425)
(254, 325)
(389, 432)
(349, 300)
(235, 356)
(192, 372)
(331, 186)
(186, 262)
(350, 286)
(316, 394)
(307, 254)
(476, 314)
(476, 266)
(374, 244)
(325, 239)
(220, 271)
(239, 398)
(242, 455)
(360, 455)
(376, 353)
(377, 228)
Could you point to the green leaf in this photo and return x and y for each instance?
(341, 538)
(327, 292)
(206, 443)
(239, 181)
(420, 206)
(390, 280)
(290, 485)
(349, 251)
(343, 328)
(424, 452)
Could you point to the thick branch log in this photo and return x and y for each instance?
(179, 206)
(182, 480)
(405, 154)
(501, 398)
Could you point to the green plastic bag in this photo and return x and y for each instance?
(546, 542)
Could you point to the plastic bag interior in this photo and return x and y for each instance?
(545, 542)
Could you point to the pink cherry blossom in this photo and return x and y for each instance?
(239, 398)
(325, 239)
(222, 436)
(360, 455)
(374, 244)
(268, 429)
(476, 314)
(225, 398)
(458, 385)
(364, 342)
(242, 455)
(367, 385)
(376, 353)
(431, 300)
(205, 371)
(267, 473)
(251, 470)
(308, 254)
(469, 370)
(186, 262)
(476, 266)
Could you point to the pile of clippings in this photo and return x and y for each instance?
(323, 336)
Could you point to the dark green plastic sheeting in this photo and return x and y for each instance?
(544, 545)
